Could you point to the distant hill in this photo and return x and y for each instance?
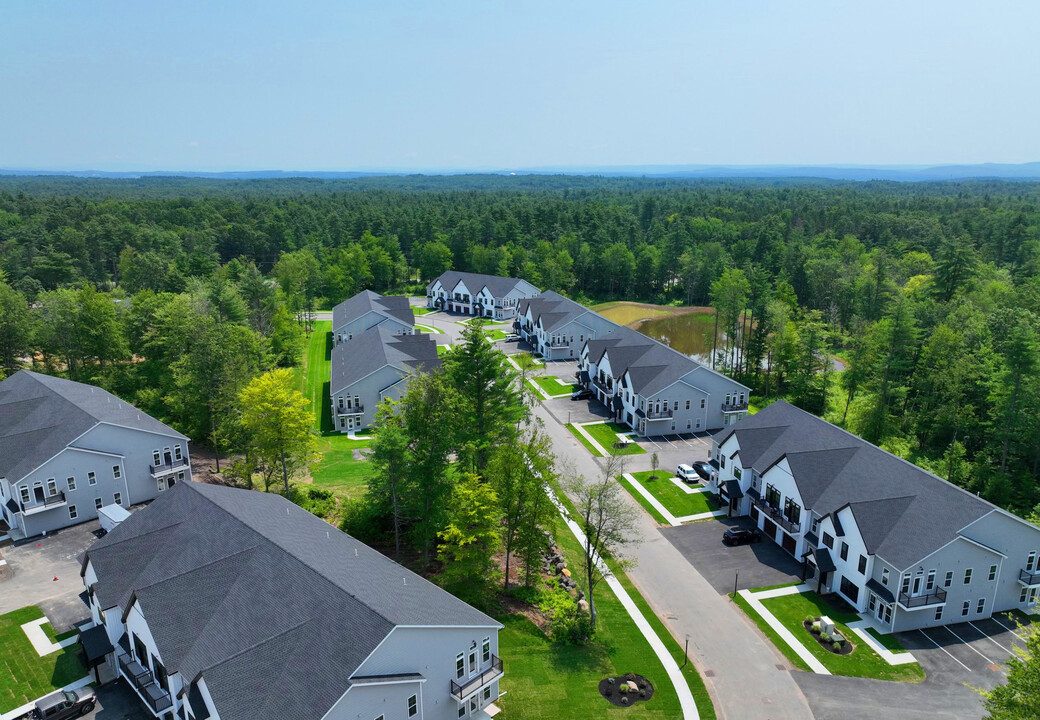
(898, 173)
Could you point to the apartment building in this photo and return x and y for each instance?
(656, 390)
(368, 309)
(891, 539)
(238, 605)
(68, 449)
(557, 328)
(374, 365)
(476, 294)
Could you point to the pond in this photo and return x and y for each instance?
(688, 330)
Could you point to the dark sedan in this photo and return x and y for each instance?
(703, 469)
(740, 536)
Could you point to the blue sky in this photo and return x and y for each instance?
(353, 84)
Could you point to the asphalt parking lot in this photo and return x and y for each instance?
(116, 701)
(754, 565)
(45, 572)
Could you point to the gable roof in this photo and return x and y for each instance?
(377, 348)
(274, 607)
(554, 310)
(498, 286)
(41, 415)
(392, 306)
(902, 512)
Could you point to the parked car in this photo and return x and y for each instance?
(740, 536)
(512, 338)
(687, 474)
(581, 394)
(702, 468)
(64, 704)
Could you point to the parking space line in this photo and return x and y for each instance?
(967, 643)
(994, 619)
(944, 650)
(988, 637)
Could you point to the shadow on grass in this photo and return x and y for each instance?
(327, 426)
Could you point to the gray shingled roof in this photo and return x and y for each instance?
(393, 306)
(903, 512)
(41, 415)
(375, 349)
(553, 309)
(271, 605)
(497, 285)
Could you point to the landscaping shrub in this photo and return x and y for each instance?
(314, 500)
(567, 623)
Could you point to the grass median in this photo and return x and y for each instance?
(677, 502)
(24, 675)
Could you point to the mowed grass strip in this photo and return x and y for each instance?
(678, 503)
(552, 385)
(24, 675)
(544, 679)
(606, 434)
(791, 610)
(583, 440)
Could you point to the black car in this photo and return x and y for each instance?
(740, 536)
(703, 469)
(581, 394)
(64, 704)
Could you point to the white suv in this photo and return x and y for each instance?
(687, 474)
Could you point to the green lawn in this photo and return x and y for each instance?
(432, 329)
(481, 321)
(552, 386)
(546, 680)
(494, 334)
(441, 349)
(778, 643)
(862, 662)
(424, 310)
(338, 470)
(606, 435)
(673, 498)
(24, 675)
(313, 375)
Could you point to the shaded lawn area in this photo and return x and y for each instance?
(791, 610)
(544, 679)
(338, 470)
(551, 384)
(606, 435)
(313, 375)
(24, 675)
(672, 497)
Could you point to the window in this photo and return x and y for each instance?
(177, 452)
(949, 579)
(981, 606)
(905, 587)
(687, 404)
(72, 512)
(844, 551)
(485, 650)
(118, 498)
(1023, 595)
(487, 693)
(862, 565)
(52, 487)
(156, 458)
(91, 479)
(828, 541)
(71, 483)
(340, 399)
(161, 482)
(967, 576)
(675, 406)
(929, 582)
(884, 576)
(815, 524)
(938, 612)
(1030, 562)
(460, 666)
(413, 706)
(965, 607)
(116, 472)
(462, 710)
(702, 403)
(97, 503)
(849, 590)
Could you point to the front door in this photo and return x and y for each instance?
(472, 663)
(917, 586)
(38, 492)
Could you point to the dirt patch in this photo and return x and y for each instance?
(515, 606)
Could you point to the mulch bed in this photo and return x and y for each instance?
(612, 694)
(846, 648)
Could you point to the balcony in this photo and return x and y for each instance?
(658, 414)
(167, 466)
(935, 597)
(356, 409)
(140, 679)
(476, 684)
(734, 407)
(1028, 578)
(51, 501)
(603, 385)
(777, 516)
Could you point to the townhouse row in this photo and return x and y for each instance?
(891, 539)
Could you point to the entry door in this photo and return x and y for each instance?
(917, 586)
(38, 491)
(472, 663)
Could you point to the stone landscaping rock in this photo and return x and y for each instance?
(631, 689)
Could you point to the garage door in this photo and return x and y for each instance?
(754, 514)
(788, 543)
(769, 528)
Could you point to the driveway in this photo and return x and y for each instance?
(116, 701)
(45, 572)
(751, 566)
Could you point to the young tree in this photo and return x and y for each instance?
(277, 423)
(606, 519)
(390, 460)
(519, 471)
(655, 462)
(1019, 697)
(486, 385)
(470, 540)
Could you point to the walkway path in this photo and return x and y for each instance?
(682, 689)
(747, 678)
(40, 642)
(754, 600)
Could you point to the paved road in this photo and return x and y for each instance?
(747, 677)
